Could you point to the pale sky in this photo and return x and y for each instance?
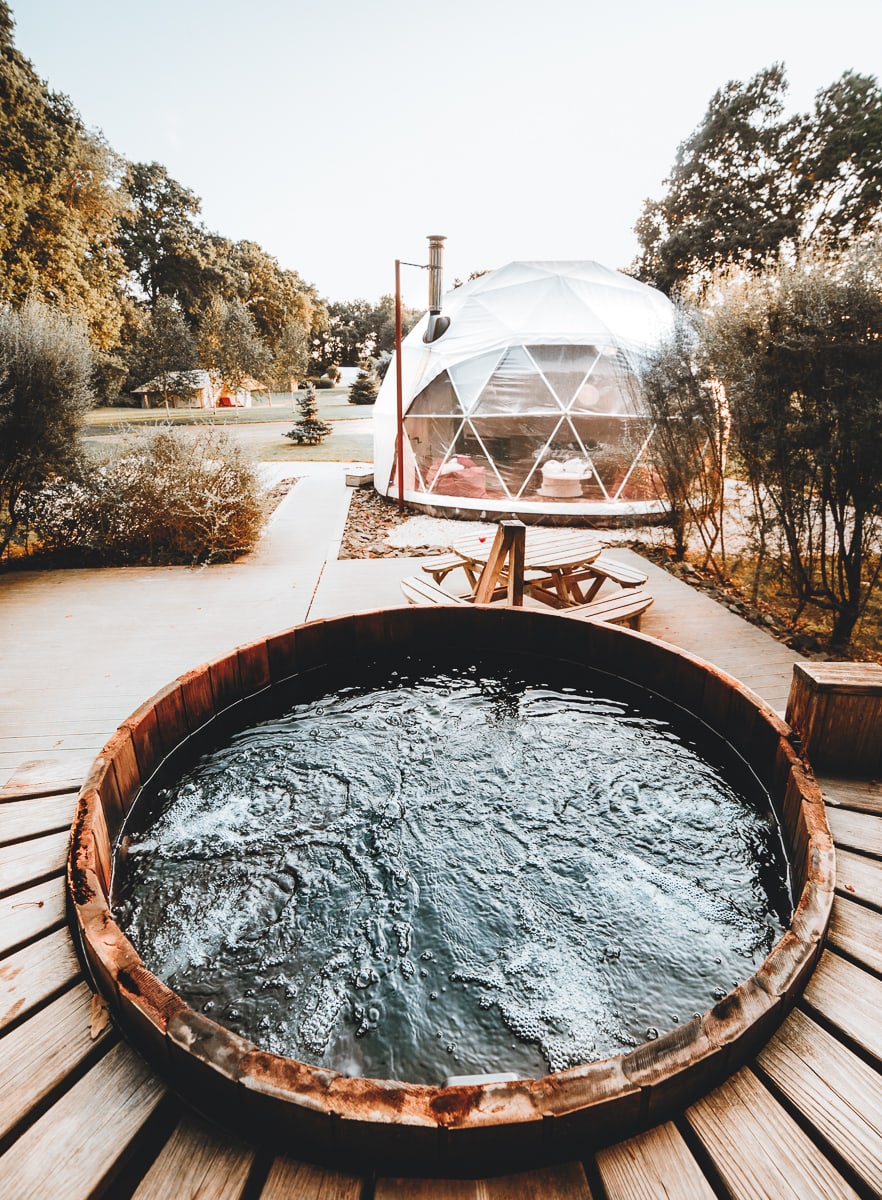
(339, 133)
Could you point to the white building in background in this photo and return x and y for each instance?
(195, 389)
(526, 403)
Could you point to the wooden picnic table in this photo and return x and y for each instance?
(559, 558)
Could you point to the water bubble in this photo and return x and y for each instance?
(651, 1033)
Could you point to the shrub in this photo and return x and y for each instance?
(798, 349)
(165, 497)
(309, 430)
(364, 389)
(45, 377)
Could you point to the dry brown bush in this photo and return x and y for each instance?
(169, 496)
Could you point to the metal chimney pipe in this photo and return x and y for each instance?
(436, 254)
(437, 324)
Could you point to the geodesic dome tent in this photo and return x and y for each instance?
(527, 404)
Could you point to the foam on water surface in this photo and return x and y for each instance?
(447, 873)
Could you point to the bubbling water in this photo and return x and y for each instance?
(437, 873)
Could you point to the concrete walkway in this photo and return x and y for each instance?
(82, 649)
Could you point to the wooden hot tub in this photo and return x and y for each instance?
(412, 1128)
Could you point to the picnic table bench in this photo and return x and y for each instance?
(625, 607)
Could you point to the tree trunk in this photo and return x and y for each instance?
(843, 627)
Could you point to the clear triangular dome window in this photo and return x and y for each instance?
(566, 471)
(610, 388)
(516, 389)
(437, 399)
(564, 367)
(470, 377)
(431, 440)
(615, 445)
(515, 447)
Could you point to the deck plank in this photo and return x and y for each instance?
(564, 1182)
(30, 976)
(26, 915)
(430, 1189)
(198, 1161)
(288, 1179)
(758, 1148)
(41, 1053)
(857, 931)
(859, 876)
(73, 1148)
(29, 818)
(856, 831)
(862, 795)
(27, 862)
(839, 1094)
(656, 1165)
(63, 772)
(850, 999)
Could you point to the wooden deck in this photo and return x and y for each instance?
(81, 1115)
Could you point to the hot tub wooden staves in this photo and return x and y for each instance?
(83, 1115)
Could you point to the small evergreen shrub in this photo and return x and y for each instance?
(309, 430)
(364, 389)
(165, 497)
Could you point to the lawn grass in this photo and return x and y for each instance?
(260, 430)
(333, 405)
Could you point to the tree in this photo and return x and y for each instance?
(229, 346)
(841, 178)
(309, 430)
(690, 430)
(165, 349)
(45, 387)
(728, 198)
(60, 202)
(751, 183)
(291, 357)
(798, 349)
(358, 330)
(160, 241)
(364, 389)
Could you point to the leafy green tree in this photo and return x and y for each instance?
(690, 435)
(161, 242)
(384, 323)
(840, 183)
(798, 349)
(291, 356)
(228, 344)
(45, 387)
(727, 198)
(358, 330)
(165, 349)
(751, 182)
(60, 202)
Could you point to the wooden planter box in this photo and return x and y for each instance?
(836, 708)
